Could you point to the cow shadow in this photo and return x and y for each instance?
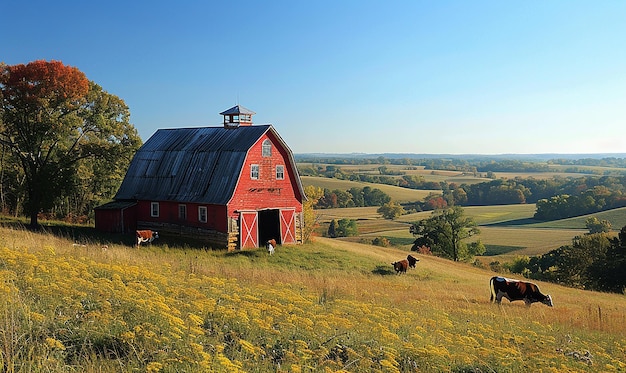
(384, 270)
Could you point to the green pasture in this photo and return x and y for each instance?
(506, 230)
(617, 218)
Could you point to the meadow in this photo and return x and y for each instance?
(508, 231)
(327, 306)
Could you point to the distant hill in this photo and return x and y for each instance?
(527, 157)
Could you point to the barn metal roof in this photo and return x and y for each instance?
(237, 109)
(199, 165)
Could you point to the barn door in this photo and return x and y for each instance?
(288, 226)
(248, 229)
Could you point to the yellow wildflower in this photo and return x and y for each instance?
(154, 367)
(55, 344)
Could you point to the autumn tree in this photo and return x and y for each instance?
(391, 210)
(53, 119)
(444, 233)
(313, 194)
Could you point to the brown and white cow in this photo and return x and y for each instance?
(401, 266)
(270, 245)
(146, 236)
(517, 290)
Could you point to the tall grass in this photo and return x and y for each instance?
(326, 306)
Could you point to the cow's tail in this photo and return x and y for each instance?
(492, 289)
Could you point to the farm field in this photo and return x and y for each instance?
(470, 178)
(398, 194)
(325, 306)
(510, 227)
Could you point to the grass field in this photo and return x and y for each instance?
(329, 306)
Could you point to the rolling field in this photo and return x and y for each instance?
(398, 194)
(509, 227)
(328, 306)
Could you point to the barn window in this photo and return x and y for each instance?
(154, 209)
(182, 212)
(202, 214)
(280, 172)
(267, 148)
(254, 171)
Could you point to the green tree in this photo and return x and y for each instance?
(445, 231)
(391, 210)
(347, 228)
(596, 225)
(576, 259)
(374, 196)
(332, 228)
(51, 119)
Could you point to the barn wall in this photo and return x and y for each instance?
(267, 192)
(168, 214)
(108, 220)
(116, 220)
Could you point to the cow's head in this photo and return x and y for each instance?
(155, 234)
(547, 301)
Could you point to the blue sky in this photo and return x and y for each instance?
(437, 77)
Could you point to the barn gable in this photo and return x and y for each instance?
(198, 165)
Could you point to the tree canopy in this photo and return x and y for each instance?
(444, 233)
(61, 132)
(595, 261)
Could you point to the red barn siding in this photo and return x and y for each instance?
(168, 214)
(267, 192)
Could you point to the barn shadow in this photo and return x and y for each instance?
(88, 235)
(383, 270)
(76, 233)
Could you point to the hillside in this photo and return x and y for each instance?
(326, 306)
(507, 230)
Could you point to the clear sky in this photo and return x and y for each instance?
(415, 76)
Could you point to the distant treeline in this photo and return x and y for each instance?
(478, 164)
(384, 176)
(601, 162)
(556, 198)
(353, 197)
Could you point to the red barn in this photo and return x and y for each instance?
(234, 186)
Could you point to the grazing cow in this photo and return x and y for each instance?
(412, 261)
(517, 290)
(270, 245)
(146, 236)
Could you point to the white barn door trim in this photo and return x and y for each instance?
(248, 229)
(288, 225)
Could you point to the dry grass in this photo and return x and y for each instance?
(326, 306)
